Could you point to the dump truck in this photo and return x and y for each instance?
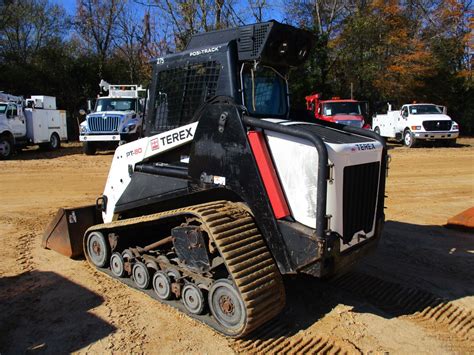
(32, 121)
(337, 110)
(415, 123)
(116, 118)
(226, 193)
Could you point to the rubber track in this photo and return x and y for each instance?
(416, 304)
(277, 338)
(244, 251)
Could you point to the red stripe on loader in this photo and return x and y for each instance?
(268, 173)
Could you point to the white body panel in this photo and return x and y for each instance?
(42, 123)
(46, 102)
(394, 123)
(127, 155)
(300, 185)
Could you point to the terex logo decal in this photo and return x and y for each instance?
(133, 152)
(365, 146)
(176, 137)
(155, 144)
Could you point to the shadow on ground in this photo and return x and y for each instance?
(414, 267)
(53, 314)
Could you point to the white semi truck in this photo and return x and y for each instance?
(28, 122)
(116, 118)
(417, 122)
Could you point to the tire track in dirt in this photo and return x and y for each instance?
(446, 319)
(121, 313)
(24, 256)
(277, 337)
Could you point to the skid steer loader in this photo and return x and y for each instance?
(227, 192)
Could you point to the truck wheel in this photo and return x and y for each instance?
(6, 147)
(408, 139)
(89, 148)
(54, 142)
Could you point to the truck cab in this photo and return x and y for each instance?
(116, 118)
(12, 117)
(343, 111)
(417, 122)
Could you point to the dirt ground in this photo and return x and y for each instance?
(415, 294)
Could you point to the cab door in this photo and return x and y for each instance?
(402, 119)
(16, 120)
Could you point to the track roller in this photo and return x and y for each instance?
(162, 285)
(193, 299)
(141, 275)
(117, 265)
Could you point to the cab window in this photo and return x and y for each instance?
(12, 111)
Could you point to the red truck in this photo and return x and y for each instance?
(343, 111)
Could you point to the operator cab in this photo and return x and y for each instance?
(248, 64)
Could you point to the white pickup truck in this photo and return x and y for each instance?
(29, 122)
(415, 123)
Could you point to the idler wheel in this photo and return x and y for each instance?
(193, 299)
(98, 250)
(141, 275)
(162, 285)
(117, 265)
(226, 305)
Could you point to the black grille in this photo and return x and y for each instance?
(437, 125)
(359, 198)
(259, 37)
(103, 124)
(180, 91)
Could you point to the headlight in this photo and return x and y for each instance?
(455, 127)
(129, 128)
(83, 128)
(415, 128)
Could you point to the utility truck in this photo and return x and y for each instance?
(415, 123)
(343, 111)
(28, 122)
(116, 118)
(228, 191)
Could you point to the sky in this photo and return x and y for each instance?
(70, 6)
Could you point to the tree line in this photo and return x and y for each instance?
(375, 50)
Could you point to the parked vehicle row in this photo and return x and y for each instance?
(29, 122)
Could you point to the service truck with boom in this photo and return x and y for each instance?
(228, 191)
(116, 118)
(343, 111)
(29, 122)
(415, 123)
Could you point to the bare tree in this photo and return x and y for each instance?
(138, 41)
(187, 17)
(97, 23)
(26, 26)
